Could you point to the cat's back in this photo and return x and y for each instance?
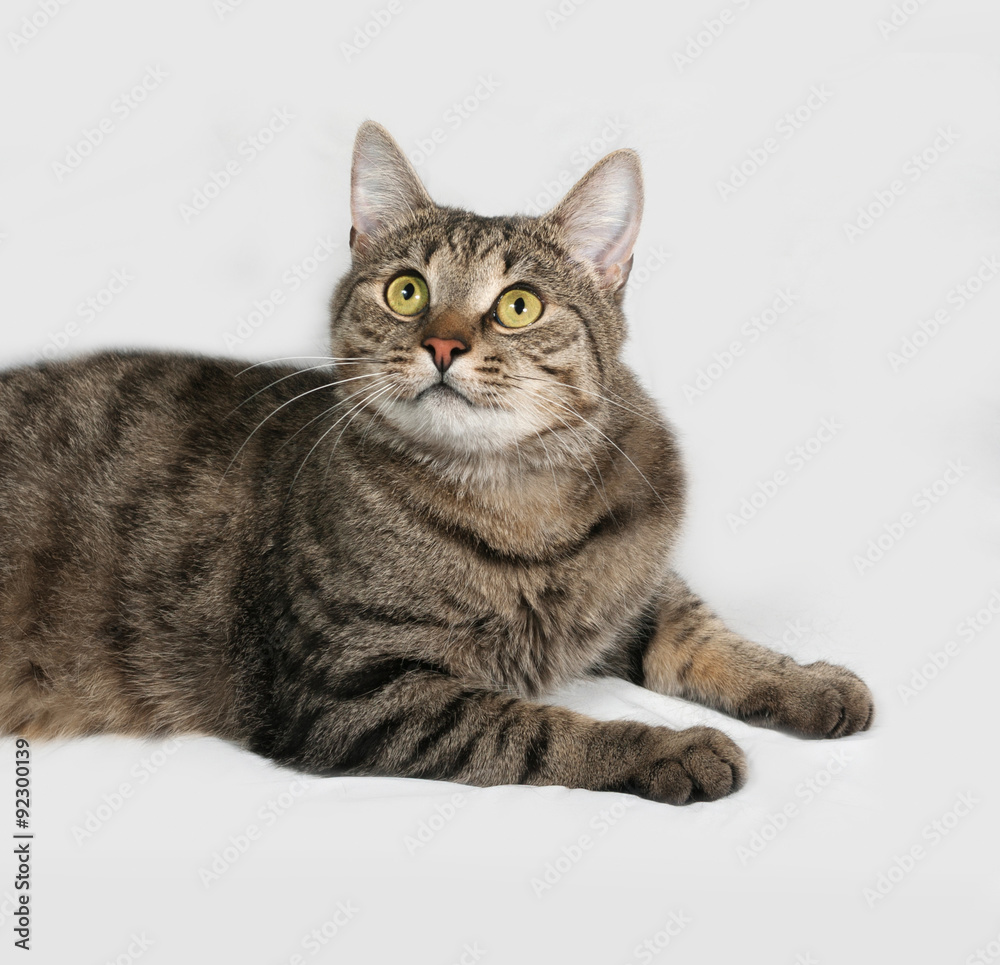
(99, 449)
(53, 411)
(68, 422)
(122, 528)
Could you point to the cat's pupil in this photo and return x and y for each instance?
(408, 290)
(519, 305)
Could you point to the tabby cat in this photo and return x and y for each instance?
(374, 563)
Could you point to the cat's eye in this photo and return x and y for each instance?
(407, 294)
(518, 307)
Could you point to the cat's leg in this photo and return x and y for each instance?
(684, 649)
(410, 719)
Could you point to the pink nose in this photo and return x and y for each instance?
(443, 350)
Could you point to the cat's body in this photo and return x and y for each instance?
(147, 560)
(372, 567)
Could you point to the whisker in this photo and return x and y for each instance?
(492, 398)
(599, 395)
(332, 408)
(292, 375)
(493, 393)
(319, 441)
(356, 412)
(301, 395)
(600, 490)
(642, 475)
(394, 397)
(552, 469)
(306, 358)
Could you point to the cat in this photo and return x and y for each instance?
(375, 564)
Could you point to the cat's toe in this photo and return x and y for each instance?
(700, 764)
(829, 701)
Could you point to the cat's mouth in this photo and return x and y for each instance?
(442, 393)
(449, 417)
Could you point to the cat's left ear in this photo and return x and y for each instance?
(384, 187)
(599, 217)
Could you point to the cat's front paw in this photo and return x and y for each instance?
(823, 700)
(697, 764)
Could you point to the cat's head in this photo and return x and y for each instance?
(474, 335)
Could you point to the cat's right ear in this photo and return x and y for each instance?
(384, 186)
(599, 217)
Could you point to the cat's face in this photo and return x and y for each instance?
(478, 335)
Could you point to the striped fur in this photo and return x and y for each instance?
(346, 572)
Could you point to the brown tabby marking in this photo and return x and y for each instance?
(371, 565)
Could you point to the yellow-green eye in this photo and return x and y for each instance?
(407, 294)
(518, 307)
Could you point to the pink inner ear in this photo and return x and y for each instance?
(601, 214)
(384, 186)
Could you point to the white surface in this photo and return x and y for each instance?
(606, 74)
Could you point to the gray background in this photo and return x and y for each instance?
(126, 830)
